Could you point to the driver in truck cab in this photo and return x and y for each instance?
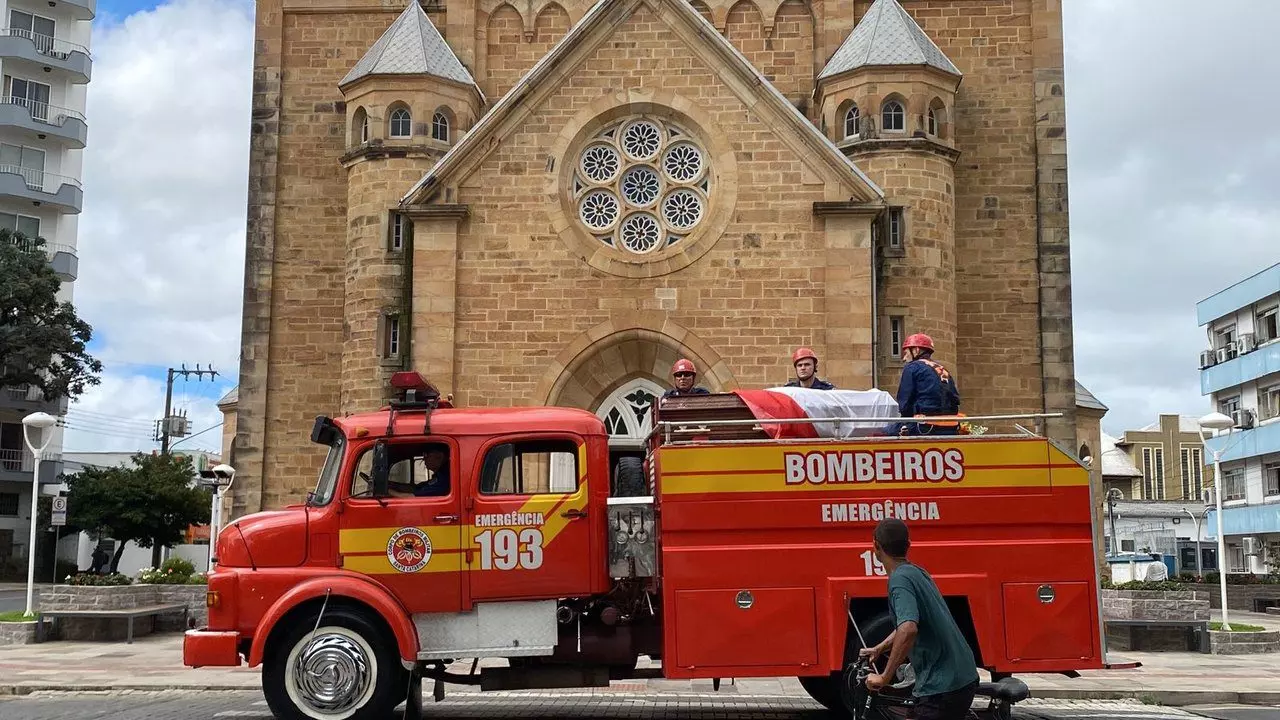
(435, 459)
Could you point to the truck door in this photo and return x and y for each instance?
(411, 541)
(529, 533)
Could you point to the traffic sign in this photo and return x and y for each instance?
(59, 511)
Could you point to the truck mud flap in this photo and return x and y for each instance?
(542, 678)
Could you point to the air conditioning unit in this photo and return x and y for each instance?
(1206, 496)
(1251, 545)
(1222, 355)
(1208, 358)
(1246, 343)
(1242, 418)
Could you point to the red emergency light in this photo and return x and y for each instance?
(415, 391)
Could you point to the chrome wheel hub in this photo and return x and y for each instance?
(332, 673)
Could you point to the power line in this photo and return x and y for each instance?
(215, 427)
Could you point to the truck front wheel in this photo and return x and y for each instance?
(347, 670)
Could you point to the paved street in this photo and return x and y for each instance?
(569, 705)
(11, 599)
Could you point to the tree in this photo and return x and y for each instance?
(42, 340)
(151, 503)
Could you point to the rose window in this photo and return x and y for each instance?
(641, 184)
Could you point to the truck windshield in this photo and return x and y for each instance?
(328, 481)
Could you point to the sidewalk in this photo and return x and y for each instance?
(155, 662)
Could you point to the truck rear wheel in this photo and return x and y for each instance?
(349, 670)
(826, 689)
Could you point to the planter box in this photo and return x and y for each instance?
(18, 633)
(1152, 605)
(1244, 643)
(121, 597)
(1248, 598)
(1155, 605)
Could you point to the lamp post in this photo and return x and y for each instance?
(1196, 519)
(41, 422)
(219, 478)
(1218, 421)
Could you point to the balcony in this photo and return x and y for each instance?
(1240, 444)
(63, 258)
(42, 188)
(47, 52)
(16, 465)
(29, 399)
(44, 120)
(1248, 366)
(1247, 520)
(79, 9)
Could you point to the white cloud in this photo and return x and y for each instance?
(162, 233)
(119, 415)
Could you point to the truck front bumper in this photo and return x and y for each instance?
(211, 648)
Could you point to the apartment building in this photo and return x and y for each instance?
(46, 67)
(1240, 372)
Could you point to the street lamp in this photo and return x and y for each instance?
(219, 478)
(1218, 421)
(41, 422)
(1196, 519)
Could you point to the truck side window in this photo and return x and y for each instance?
(417, 470)
(530, 467)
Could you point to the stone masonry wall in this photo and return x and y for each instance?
(1243, 597)
(1151, 605)
(18, 633)
(523, 296)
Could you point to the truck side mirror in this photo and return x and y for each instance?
(381, 469)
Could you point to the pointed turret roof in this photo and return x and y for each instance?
(887, 35)
(411, 46)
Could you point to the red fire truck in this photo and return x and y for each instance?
(437, 535)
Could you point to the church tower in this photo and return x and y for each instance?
(408, 100)
(886, 99)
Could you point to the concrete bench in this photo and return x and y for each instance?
(1197, 631)
(129, 614)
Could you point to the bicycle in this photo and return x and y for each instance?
(895, 702)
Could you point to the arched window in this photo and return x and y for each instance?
(359, 127)
(401, 123)
(933, 122)
(626, 411)
(893, 117)
(440, 127)
(851, 118)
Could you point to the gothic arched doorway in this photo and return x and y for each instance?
(626, 416)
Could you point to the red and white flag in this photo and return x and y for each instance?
(784, 403)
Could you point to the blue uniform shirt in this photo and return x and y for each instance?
(920, 391)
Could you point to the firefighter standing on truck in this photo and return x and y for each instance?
(926, 388)
(685, 374)
(806, 367)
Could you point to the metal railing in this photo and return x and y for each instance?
(26, 393)
(701, 427)
(45, 44)
(39, 179)
(43, 111)
(49, 248)
(12, 460)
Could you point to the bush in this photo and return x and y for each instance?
(1164, 585)
(180, 566)
(98, 580)
(174, 571)
(198, 579)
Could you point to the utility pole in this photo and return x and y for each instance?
(176, 424)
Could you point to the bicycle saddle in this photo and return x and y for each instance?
(1010, 690)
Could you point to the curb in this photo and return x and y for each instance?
(1167, 698)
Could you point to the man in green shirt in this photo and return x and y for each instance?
(924, 632)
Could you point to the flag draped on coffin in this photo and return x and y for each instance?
(785, 403)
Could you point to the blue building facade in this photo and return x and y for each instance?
(1240, 373)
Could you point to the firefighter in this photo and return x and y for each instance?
(685, 374)
(926, 388)
(924, 633)
(806, 366)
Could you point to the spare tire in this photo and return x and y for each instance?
(629, 479)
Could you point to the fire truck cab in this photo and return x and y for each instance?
(437, 534)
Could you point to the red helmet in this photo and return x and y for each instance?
(919, 340)
(683, 365)
(802, 354)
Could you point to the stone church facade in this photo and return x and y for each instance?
(550, 202)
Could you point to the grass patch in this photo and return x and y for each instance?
(16, 616)
(1237, 627)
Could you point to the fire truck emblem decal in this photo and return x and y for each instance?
(409, 550)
